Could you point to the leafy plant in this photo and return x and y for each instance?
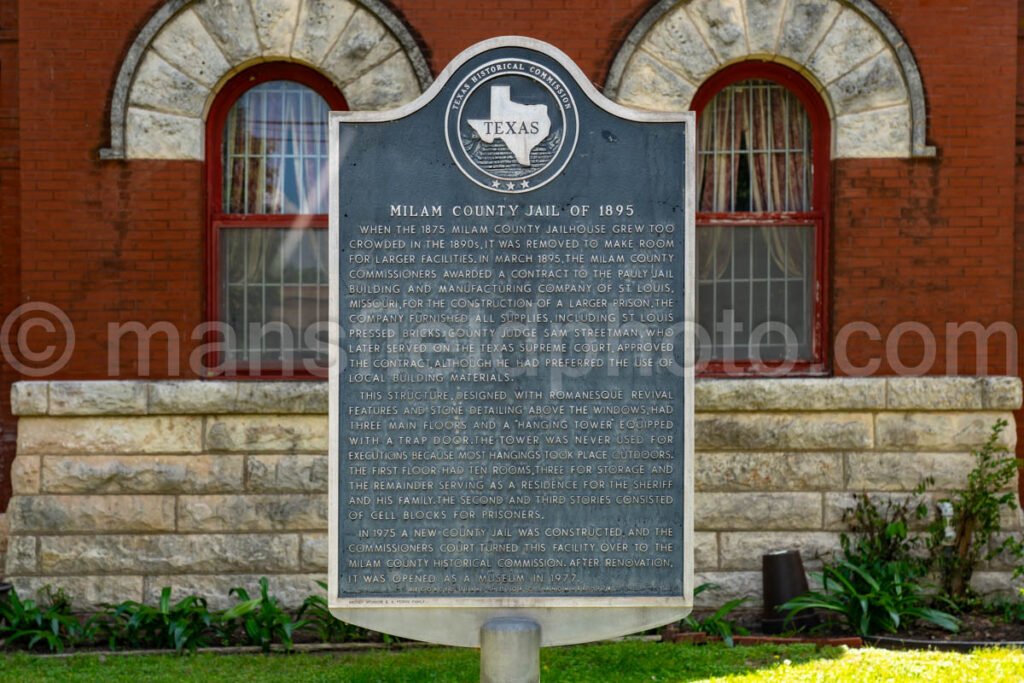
(262, 620)
(317, 617)
(717, 623)
(881, 532)
(1010, 610)
(975, 519)
(870, 599)
(876, 585)
(51, 624)
(185, 625)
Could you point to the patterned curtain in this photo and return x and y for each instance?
(754, 156)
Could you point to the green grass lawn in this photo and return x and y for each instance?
(606, 663)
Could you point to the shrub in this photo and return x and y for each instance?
(876, 586)
(975, 519)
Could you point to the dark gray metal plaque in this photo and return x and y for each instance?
(511, 398)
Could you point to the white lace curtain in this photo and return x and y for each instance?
(275, 155)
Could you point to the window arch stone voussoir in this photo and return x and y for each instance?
(848, 49)
(189, 48)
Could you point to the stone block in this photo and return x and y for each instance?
(282, 397)
(934, 393)
(143, 474)
(160, 86)
(764, 19)
(91, 514)
(904, 471)
(756, 511)
(742, 550)
(280, 433)
(275, 25)
(649, 84)
(991, 584)
(156, 135)
(705, 551)
(98, 398)
(1001, 393)
(733, 472)
(851, 40)
(95, 436)
(363, 44)
(186, 44)
(314, 552)
(192, 397)
(390, 84)
(22, 556)
(803, 27)
(287, 473)
(30, 398)
(676, 42)
(320, 24)
(289, 589)
(721, 22)
(730, 586)
(252, 513)
(25, 475)
(783, 431)
(231, 24)
(170, 554)
(880, 133)
(87, 593)
(756, 395)
(875, 84)
(939, 431)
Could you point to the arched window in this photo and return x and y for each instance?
(762, 221)
(267, 164)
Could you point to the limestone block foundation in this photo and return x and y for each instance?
(121, 488)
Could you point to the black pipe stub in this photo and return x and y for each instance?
(783, 578)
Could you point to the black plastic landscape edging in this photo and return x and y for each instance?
(893, 643)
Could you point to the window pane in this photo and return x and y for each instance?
(755, 291)
(754, 151)
(273, 289)
(275, 151)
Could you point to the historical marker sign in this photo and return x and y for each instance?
(511, 397)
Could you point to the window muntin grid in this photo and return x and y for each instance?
(756, 268)
(274, 290)
(275, 151)
(272, 284)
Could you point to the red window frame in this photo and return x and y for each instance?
(217, 220)
(821, 144)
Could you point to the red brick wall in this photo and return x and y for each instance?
(9, 223)
(104, 241)
(589, 31)
(932, 240)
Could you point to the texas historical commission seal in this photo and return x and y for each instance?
(511, 125)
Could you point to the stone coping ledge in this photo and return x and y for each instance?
(220, 397)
